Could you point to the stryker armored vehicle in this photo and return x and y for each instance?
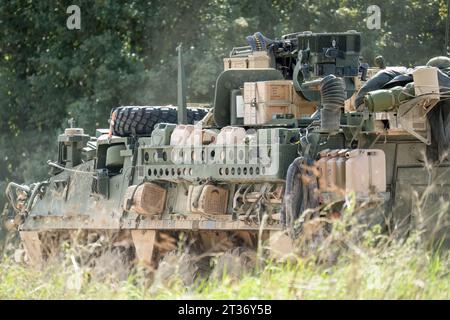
(296, 123)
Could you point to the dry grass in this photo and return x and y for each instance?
(353, 261)
(402, 272)
(371, 267)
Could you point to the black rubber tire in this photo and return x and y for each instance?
(140, 121)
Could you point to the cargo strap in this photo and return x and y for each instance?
(254, 103)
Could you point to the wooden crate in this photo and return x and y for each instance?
(271, 92)
(235, 63)
(259, 59)
(264, 99)
(256, 60)
(264, 112)
(301, 106)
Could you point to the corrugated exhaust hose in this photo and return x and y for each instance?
(332, 91)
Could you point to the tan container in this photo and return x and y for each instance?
(322, 167)
(340, 169)
(195, 138)
(277, 91)
(256, 60)
(235, 63)
(146, 199)
(200, 137)
(194, 142)
(302, 107)
(181, 134)
(426, 81)
(209, 136)
(231, 135)
(263, 113)
(331, 172)
(208, 199)
(264, 99)
(279, 94)
(365, 171)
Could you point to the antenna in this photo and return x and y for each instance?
(182, 111)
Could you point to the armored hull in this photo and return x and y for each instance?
(278, 140)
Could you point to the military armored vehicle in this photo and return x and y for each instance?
(296, 123)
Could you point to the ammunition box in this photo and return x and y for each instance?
(253, 61)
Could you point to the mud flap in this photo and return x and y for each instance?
(33, 247)
(144, 244)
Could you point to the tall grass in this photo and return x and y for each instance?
(402, 272)
(375, 267)
(353, 260)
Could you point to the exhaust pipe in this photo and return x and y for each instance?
(332, 91)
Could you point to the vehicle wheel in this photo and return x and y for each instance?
(127, 121)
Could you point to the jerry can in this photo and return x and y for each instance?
(322, 167)
(340, 169)
(181, 134)
(365, 171)
(231, 135)
(331, 169)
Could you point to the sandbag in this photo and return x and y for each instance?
(441, 62)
